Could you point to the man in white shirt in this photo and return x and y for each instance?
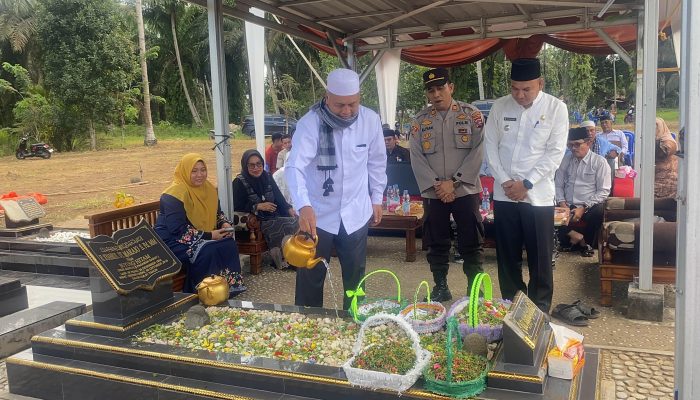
(338, 153)
(614, 136)
(582, 183)
(525, 138)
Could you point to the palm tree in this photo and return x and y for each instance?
(162, 10)
(17, 23)
(150, 138)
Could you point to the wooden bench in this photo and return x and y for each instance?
(107, 222)
(623, 264)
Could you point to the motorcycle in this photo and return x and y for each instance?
(630, 116)
(24, 150)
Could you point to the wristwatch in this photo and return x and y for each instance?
(456, 183)
(528, 185)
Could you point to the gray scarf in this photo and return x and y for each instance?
(326, 144)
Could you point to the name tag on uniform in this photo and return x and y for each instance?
(362, 145)
(510, 119)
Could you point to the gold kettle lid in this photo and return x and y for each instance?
(211, 280)
(304, 240)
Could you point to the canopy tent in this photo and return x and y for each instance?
(452, 32)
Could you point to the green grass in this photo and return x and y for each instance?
(668, 114)
(133, 135)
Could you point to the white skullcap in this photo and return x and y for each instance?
(588, 123)
(343, 82)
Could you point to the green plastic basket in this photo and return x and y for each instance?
(359, 301)
(448, 387)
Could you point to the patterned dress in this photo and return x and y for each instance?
(199, 254)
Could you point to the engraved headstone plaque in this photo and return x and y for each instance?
(520, 361)
(522, 327)
(22, 210)
(132, 258)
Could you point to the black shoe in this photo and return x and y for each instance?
(234, 291)
(440, 294)
(587, 251)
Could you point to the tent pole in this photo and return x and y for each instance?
(687, 365)
(480, 79)
(377, 56)
(220, 106)
(646, 138)
(350, 54)
(624, 55)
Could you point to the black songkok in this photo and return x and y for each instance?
(525, 69)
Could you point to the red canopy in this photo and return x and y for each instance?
(458, 53)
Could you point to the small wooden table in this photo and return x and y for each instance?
(409, 224)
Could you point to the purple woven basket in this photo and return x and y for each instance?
(491, 333)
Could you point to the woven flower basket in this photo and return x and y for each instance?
(435, 312)
(362, 308)
(383, 380)
(492, 333)
(449, 387)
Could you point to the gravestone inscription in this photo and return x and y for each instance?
(133, 258)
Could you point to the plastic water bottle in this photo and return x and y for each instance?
(389, 198)
(397, 195)
(485, 200)
(406, 205)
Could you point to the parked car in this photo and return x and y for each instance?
(484, 106)
(273, 123)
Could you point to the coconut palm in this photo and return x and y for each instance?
(163, 15)
(150, 138)
(17, 23)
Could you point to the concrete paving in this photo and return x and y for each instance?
(634, 354)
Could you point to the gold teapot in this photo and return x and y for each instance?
(212, 290)
(299, 250)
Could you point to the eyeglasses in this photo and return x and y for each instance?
(574, 145)
(255, 165)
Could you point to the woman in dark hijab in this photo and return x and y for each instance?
(255, 191)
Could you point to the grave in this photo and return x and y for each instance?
(28, 254)
(96, 357)
(131, 283)
(13, 296)
(22, 217)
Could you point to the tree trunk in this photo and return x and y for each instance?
(93, 139)
(271, 83)
(150, 138)
(204, 97)
(193, 110)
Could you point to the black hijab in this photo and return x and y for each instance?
(257, 184)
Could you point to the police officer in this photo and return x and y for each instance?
(446, 154)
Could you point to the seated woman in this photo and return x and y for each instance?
(666, 169)
(191, 223)
(255, 191)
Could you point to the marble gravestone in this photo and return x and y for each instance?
(131, 282)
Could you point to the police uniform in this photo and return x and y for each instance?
(447, 145)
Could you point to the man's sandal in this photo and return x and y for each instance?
(588, 311)
(570, 314)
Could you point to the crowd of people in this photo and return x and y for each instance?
(328, 180)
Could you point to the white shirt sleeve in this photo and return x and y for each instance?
(304, 148)
(376, 164)
(555, 147)
(492, 141)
